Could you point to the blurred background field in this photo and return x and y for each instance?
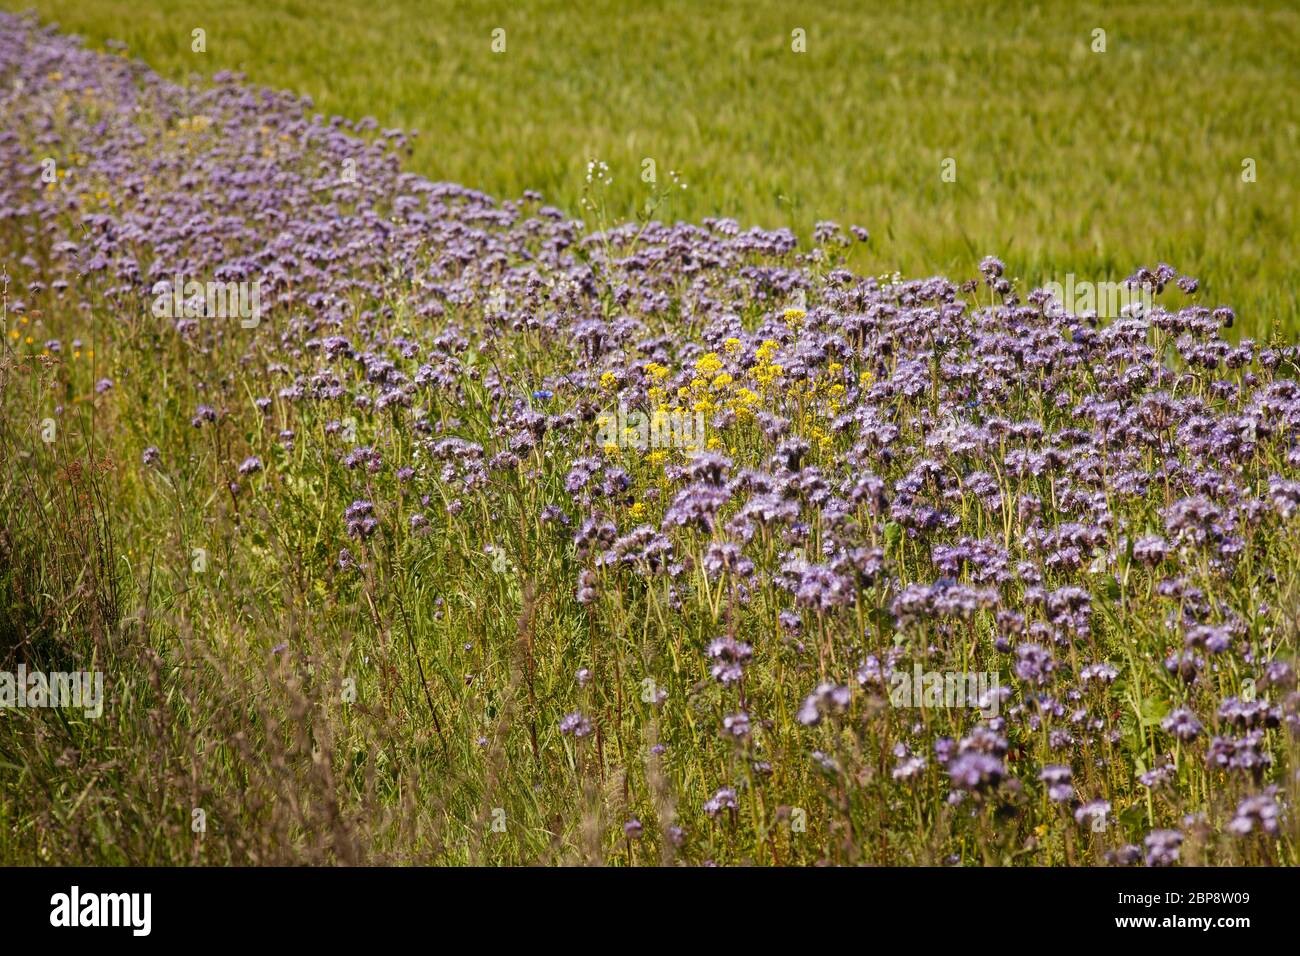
(1067, 160)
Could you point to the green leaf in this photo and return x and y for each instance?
(893, 534)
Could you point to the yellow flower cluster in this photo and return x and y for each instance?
(742, 402)
(709, 375)
(708, 363)
(834, 392)
(602, 422)
(766, 371)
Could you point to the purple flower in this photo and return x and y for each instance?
(1246, 754)
(1034, 663)
(575, 725)
(1092, 814)
(973, 771)
(724, 799)
(203, 414)
(1059, 780)
(1162, 847)
(360, 520)
(1259, 812)
(730, 657)
(908, 767)
(1182, 723)
(696, 506)
(827, 699)
(736, 725)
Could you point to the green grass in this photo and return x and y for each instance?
(1067, 160)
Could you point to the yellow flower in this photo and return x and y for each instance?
(708, 363)
(608, 379)
(766, 350)
(656, 371)
(795, 313)
(731, 345)
(722, 381)
(743, 401)
(637, 509)
(656, 457)
(866, 379)
(611, 449)
(714, 442)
